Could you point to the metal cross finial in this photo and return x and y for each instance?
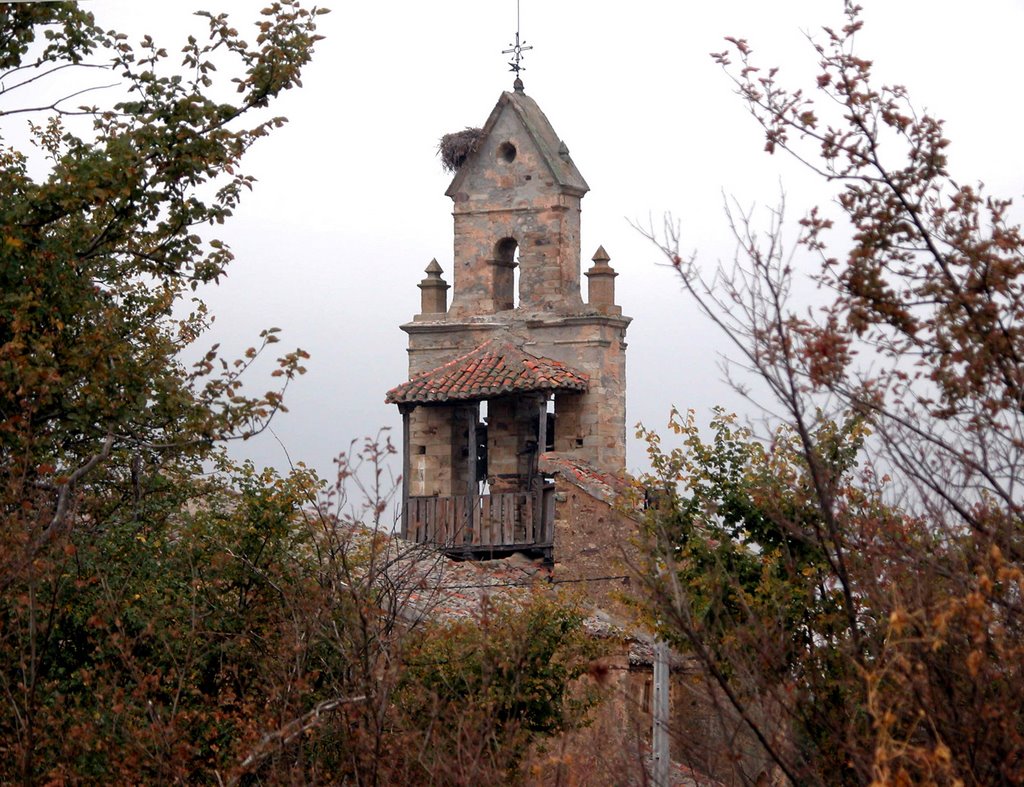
(516, 50)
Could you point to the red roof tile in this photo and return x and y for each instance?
(613, 490)
(492, 369)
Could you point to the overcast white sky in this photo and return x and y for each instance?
(350, 203)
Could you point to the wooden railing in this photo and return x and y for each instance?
(498, 521)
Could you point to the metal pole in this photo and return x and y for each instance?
(659, 735)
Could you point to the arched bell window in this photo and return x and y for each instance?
(506, 274)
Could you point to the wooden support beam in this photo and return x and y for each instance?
(472, 412)
(537, 487)
(406, 469)
(542, 426)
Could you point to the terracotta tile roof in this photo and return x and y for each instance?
(436, 587)
(492, 369)
(611, 489)
(428, 585)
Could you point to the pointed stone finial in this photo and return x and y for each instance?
(518, 85)
(601, 284)
(433, 294)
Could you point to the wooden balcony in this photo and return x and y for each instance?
(465, 526)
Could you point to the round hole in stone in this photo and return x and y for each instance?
(507, 152)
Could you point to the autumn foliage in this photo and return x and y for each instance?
(851, 578)
(166, 616)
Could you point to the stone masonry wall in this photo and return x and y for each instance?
(611, 749)
(462, 416)
(614, 748)
(592, 540)
(430, 451)
(514, 197)
(594, 423)
(510, 428)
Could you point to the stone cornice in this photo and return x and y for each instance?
(455, 326)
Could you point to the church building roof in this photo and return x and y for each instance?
(495, 368)
(552, 150)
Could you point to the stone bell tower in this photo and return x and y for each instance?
(519, 197)
(519, 364)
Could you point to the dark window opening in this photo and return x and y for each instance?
(506, 274)
(507, 152)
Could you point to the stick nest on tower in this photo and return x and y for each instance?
(455, 148)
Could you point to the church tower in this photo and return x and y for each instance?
(519, 365)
